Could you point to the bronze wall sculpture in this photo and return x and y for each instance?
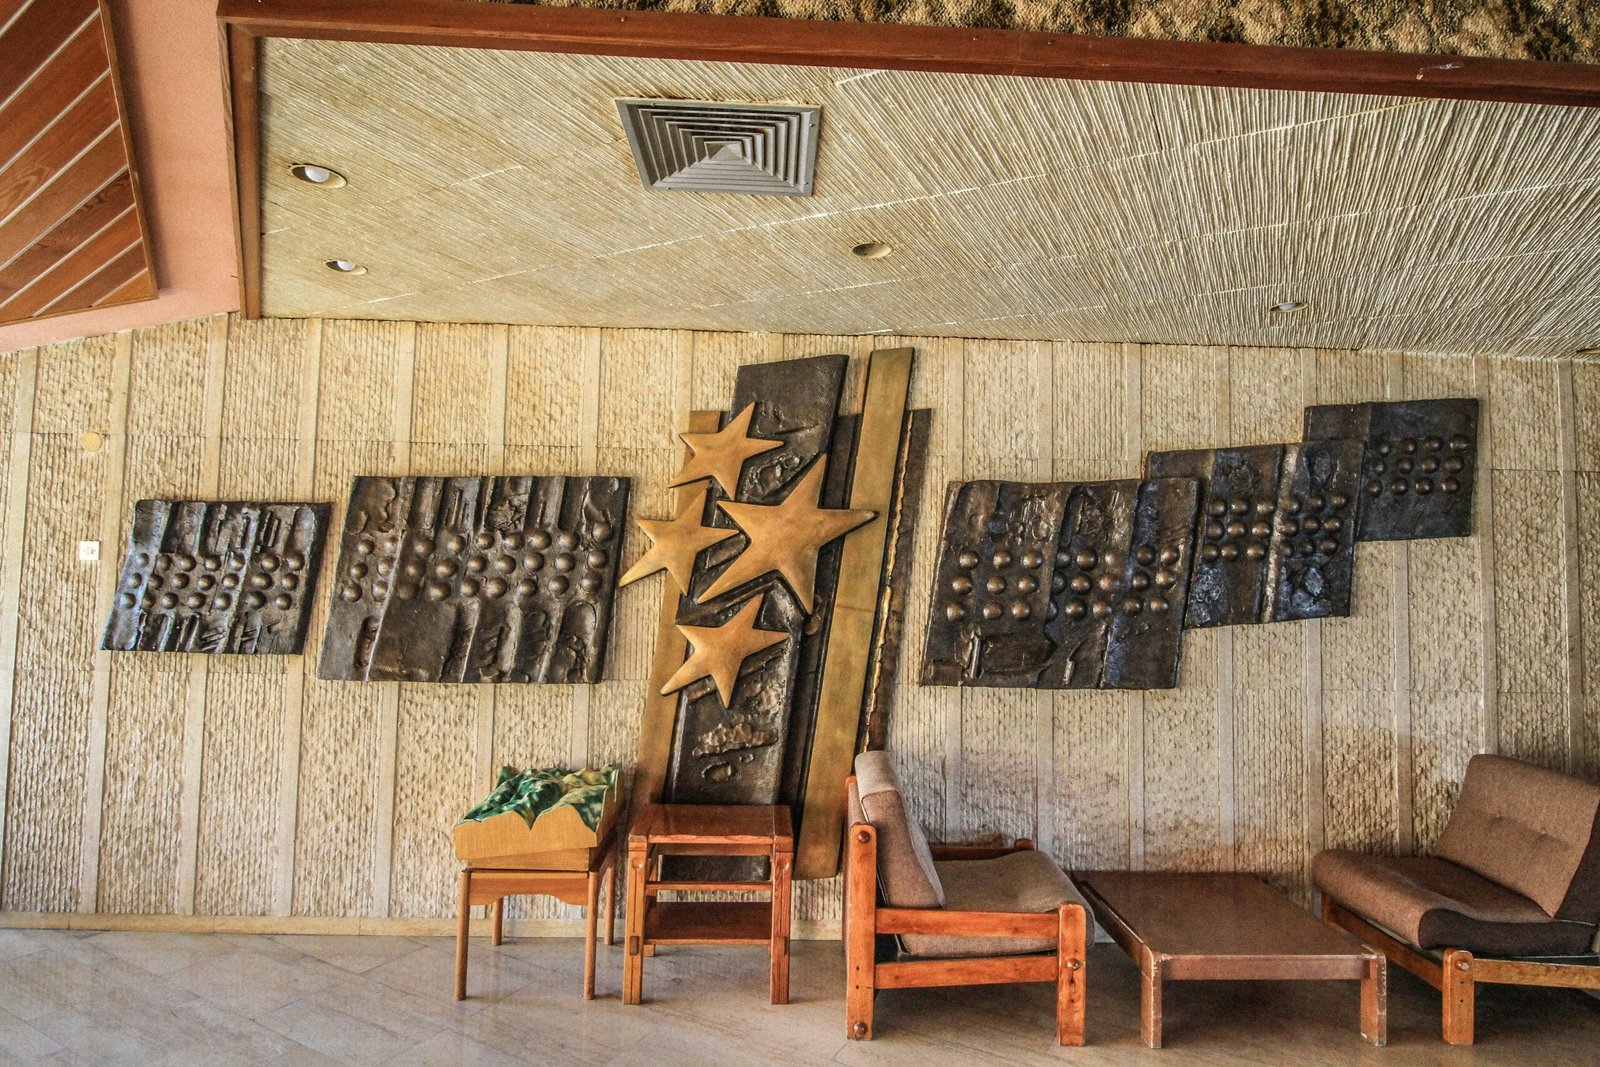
(1276, 532)
(1061, 585)
(477, 579)
(1271, 528)
(789, 540)
(217, 576)
(1421, 458)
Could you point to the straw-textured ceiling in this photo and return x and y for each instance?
(497, 187)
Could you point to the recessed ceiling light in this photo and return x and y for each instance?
(315, 174)
(1285, 307)
(345, 266)
(873, 250)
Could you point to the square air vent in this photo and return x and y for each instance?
(723, 148)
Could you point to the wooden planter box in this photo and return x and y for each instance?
(558, 840)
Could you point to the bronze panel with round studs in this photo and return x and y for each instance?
(475, 579)
(217, 576)
(1418, 471)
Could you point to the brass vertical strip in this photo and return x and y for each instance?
(1400, 606)
(844, 661)
(661, 712)
(14, 532)
(115, 459)
(194, 718)
(1572, 578)
(295, 669)
(1483, 508)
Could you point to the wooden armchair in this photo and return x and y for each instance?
(1511, 893)
(947, 915)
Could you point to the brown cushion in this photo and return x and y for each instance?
(1531, 830)
(1026, 881)
(906, 874)
(1434, 903)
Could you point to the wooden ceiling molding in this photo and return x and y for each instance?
(1087, 188)
(72, 236)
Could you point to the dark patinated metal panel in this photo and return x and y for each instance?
(475, 579)
(1146, 637)
(1420, 464)
(739, 754)
(1228, 582)
(217, 576)
(992, 585)
(1313, 545)
(1061, 585)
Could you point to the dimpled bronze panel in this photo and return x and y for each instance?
(217, 576)
(1421, 458)
(1061, 585)
(476, 579)
(1228, 585)
(1313, 545)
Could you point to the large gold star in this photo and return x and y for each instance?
(786, 537)
(719, 651)
(722, 455)
(675, 542)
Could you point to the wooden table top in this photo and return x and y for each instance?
(1211, 915)
(713, 824)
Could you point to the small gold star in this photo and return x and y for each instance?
(722, 455)
(719, 651)
(786, 537)
(675, 542)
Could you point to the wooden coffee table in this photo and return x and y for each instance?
(1183, 927)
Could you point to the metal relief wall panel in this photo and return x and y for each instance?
(217, 577)
(1313, 548)
(474, 579)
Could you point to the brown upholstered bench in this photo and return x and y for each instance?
(1511, 893)
(918, 915)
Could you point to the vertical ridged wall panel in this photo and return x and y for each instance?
(139, 840)
(433, 772)
(238, 838)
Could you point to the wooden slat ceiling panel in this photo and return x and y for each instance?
(71, 235)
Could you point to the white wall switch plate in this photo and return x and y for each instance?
(88, 551)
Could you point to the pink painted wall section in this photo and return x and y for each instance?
(172, 78)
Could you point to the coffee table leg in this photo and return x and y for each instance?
(1150, 999)
(1375, 1002)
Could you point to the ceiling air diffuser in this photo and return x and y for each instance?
(723, 148)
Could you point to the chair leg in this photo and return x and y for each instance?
(1460, 998)
(498, 934)
(860, 942)
(1071, 974)
(463, 924)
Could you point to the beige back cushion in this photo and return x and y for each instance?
(1530, 829)
(906, 874)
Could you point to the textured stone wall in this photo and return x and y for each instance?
(227, 786)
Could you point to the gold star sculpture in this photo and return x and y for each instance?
(722, 455)
(719, 651)
(786, 537)
(675, 542)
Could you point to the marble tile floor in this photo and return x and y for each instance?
(142, 998)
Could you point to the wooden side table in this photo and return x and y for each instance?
(491, 882)
(708, 830)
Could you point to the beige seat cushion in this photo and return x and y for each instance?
(906, 874)
(1026, 882)
(1531, 830)
(1434, 903)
